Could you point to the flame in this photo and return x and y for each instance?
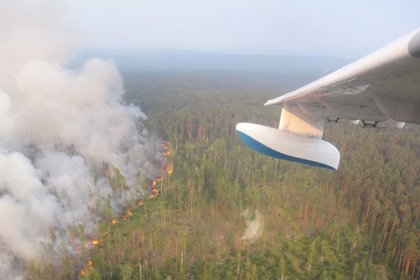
(154, 192)
(95, 242)
(166, 149)
(169, 168)
(156, 181)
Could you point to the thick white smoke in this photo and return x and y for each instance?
(63, 132)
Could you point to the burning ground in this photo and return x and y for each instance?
(69, 146)
(154, 191)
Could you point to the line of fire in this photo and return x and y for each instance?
(167, 168)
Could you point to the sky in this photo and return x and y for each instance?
(303, 27)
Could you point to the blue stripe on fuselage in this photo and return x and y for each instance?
(254, 144)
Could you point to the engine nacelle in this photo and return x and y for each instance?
(282, 144)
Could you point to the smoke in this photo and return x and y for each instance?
(65, 136)
(254, 225)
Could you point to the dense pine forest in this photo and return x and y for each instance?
(223, 211)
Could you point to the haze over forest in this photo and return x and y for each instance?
(178, 60)
(227, 212)
(126, 164)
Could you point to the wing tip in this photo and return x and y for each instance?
(273, 101)
(269, 102)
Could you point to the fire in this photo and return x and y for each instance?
(166, 149)
(89, 265)
(154, 193)
(95, 242)
(169, 168)
(156, 181)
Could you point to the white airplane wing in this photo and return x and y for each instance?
(383, 85)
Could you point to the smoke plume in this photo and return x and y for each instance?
(254, 225)
(64, 134)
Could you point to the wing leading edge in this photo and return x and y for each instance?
(383, 85)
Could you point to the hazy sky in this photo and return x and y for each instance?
(327, 27)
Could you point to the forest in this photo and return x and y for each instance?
(360, 222)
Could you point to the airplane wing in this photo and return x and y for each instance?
(383, 85)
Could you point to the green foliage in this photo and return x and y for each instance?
(91, 274)
(361, 222)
